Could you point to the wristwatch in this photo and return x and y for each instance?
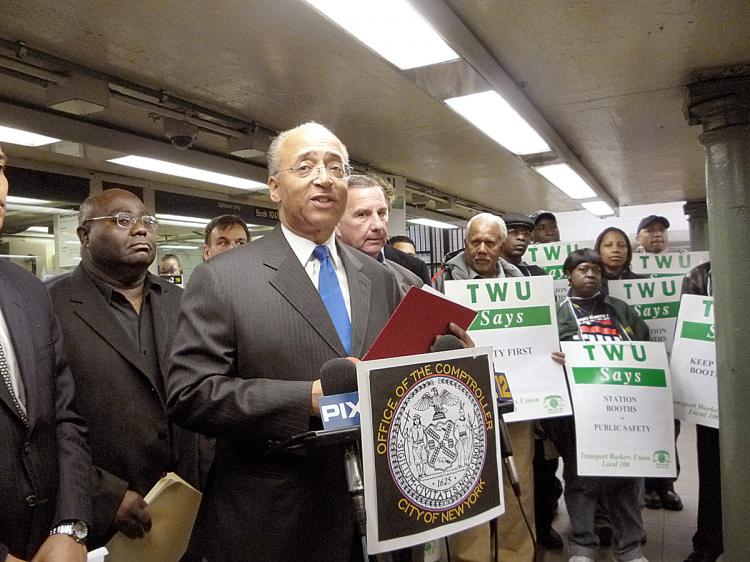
(78, 530)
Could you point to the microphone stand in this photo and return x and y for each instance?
(357, 492)
(506, 406)
(348, 436)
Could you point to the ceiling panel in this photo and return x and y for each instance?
(607, 75)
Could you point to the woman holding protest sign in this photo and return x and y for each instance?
(587, 314)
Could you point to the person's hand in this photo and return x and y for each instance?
(59, 548)
(132, 517)
(461, 334)
(558, 357)
(11, 558)
(316, 395)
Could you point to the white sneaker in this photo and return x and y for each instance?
(579, 558)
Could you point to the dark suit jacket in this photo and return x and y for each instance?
(252, 336)
(412, 263)
(405, 278)
(46, 467)
(132, 442)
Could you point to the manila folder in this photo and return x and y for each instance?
(173, 504)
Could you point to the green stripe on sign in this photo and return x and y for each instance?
(698, 331)
(494, 319)
(556, 271)
(658, 311)
(625, 376)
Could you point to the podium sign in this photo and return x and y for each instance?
(430, 446)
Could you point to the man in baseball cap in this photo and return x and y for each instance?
(545, 227)
(652, 234)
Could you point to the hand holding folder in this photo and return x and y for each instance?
(173, 504)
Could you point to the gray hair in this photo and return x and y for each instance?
(361, 181)
(274, 158)
(492, 219)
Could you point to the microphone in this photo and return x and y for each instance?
(447, 342)
(338, 376)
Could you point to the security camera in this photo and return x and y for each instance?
(181, 133)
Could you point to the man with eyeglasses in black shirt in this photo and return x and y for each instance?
(118, 321)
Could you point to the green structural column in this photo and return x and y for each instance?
(697, 215)
(721, 104)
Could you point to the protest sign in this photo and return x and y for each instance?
(693, 364)
(430, 446)
(667, 263)
(551, 255)
(517, 317)
(561, 289)
(623, 408)
(656, 301)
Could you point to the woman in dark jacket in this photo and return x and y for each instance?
(614, 247)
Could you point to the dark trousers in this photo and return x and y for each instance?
(664, 484)
(708, 537)
(547, 488)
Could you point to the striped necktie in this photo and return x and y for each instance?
(5, 373)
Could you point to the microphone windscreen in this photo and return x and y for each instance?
(447, 342)
(338, 376)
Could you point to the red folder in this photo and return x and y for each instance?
(414, 324)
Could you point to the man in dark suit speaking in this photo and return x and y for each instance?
(45, 488)
(255, 326)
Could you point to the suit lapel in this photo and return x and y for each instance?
(161, 325)
(359, 297)
(88, 303)
(20, 332)
(292, 282)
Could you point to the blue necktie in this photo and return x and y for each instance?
(330, 292)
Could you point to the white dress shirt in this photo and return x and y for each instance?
(303, 249)
(10, 359)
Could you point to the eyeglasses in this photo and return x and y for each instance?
(335, 170)
(127, 220)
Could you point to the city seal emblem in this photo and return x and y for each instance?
(437, 443)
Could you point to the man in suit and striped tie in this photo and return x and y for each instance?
(255, 327)
(45, 489)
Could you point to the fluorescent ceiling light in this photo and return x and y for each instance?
(391, 28)
(42, 229)
(41, 210)
(564, 178)
(172, 169)
(432, 223)
(27, 200)
(492, 115)
(177, 247)
(598, 208)
(180, 220)
(164, 216)
(24, 138)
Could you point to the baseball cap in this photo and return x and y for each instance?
(651, 219)
(541, 214)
